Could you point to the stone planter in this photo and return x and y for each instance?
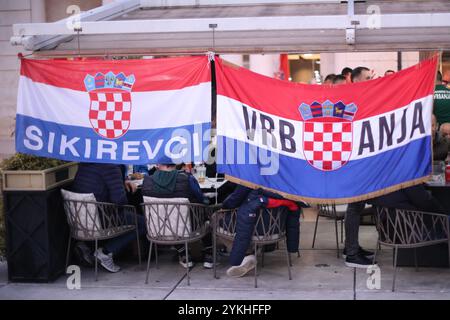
(38, 180)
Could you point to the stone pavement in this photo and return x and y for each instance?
(317, 274)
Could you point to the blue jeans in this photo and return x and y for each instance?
(115, 245)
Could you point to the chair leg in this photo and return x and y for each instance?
(342, 231)
(256, 265)
(214, 254)
(415, 260)
(156, 256)
(262, 257)
(315, 230)
(187, 262)
(375, 254)
(395, 268)
(148, 262)
(289, 262)
(68, 252)
(449, 252)
(298, 253)
(96, 264)
(138, 246)
(337, 238)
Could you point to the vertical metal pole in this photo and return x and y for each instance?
(78, 30)
(399, 61)
(213, 26)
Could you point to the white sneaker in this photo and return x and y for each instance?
(248, 263)
(106, 261)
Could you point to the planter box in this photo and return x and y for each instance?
(38, 180)
(36, 234)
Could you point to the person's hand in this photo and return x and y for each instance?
(130, 186)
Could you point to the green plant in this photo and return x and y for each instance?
(21, 161)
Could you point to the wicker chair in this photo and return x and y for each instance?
(95, 221)
(174, 221)
(399, 228)
(329, 211)
(265, 232)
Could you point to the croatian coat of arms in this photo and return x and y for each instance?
(327, 133)
(110, 109)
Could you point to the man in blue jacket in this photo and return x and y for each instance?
(249, 202)
(106, 182)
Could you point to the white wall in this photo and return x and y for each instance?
(266, 64)
(11, 11)
(237, 59)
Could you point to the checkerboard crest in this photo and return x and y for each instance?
(110, 106)
(327, 133)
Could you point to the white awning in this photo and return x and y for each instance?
(256, 26)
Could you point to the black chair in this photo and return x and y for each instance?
(265, 232)
(329, 211)
(399, 228)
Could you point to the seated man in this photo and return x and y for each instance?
(444, 129)
(107, 184)
(249, 202)
(441, 144)
(412, 198)
(168, 182)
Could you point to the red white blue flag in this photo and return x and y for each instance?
(115, 111)
(325, 143)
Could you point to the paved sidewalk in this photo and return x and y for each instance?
(317, 274)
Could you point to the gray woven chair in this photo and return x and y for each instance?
(96, 221)
(410, 229)
(265, 232)
(174, 221)
(329, 211)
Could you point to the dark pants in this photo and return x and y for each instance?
(352, 220)
(117, 244)
(245, 226)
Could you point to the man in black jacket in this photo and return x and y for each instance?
(412, 198)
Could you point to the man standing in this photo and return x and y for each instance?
(441, 107)
(347, 73)
(441, 144)
(354, 255)
(361, 74)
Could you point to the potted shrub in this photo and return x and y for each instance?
(32, 173)
(36, 226)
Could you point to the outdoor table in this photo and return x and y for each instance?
(210, 187)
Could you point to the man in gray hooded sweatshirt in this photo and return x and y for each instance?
(167, 182)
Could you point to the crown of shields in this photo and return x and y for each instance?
(110, 108)
(327, 134)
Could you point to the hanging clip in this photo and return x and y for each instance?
(211, 55)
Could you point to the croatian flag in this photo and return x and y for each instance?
(115, 111)
(325, 143)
